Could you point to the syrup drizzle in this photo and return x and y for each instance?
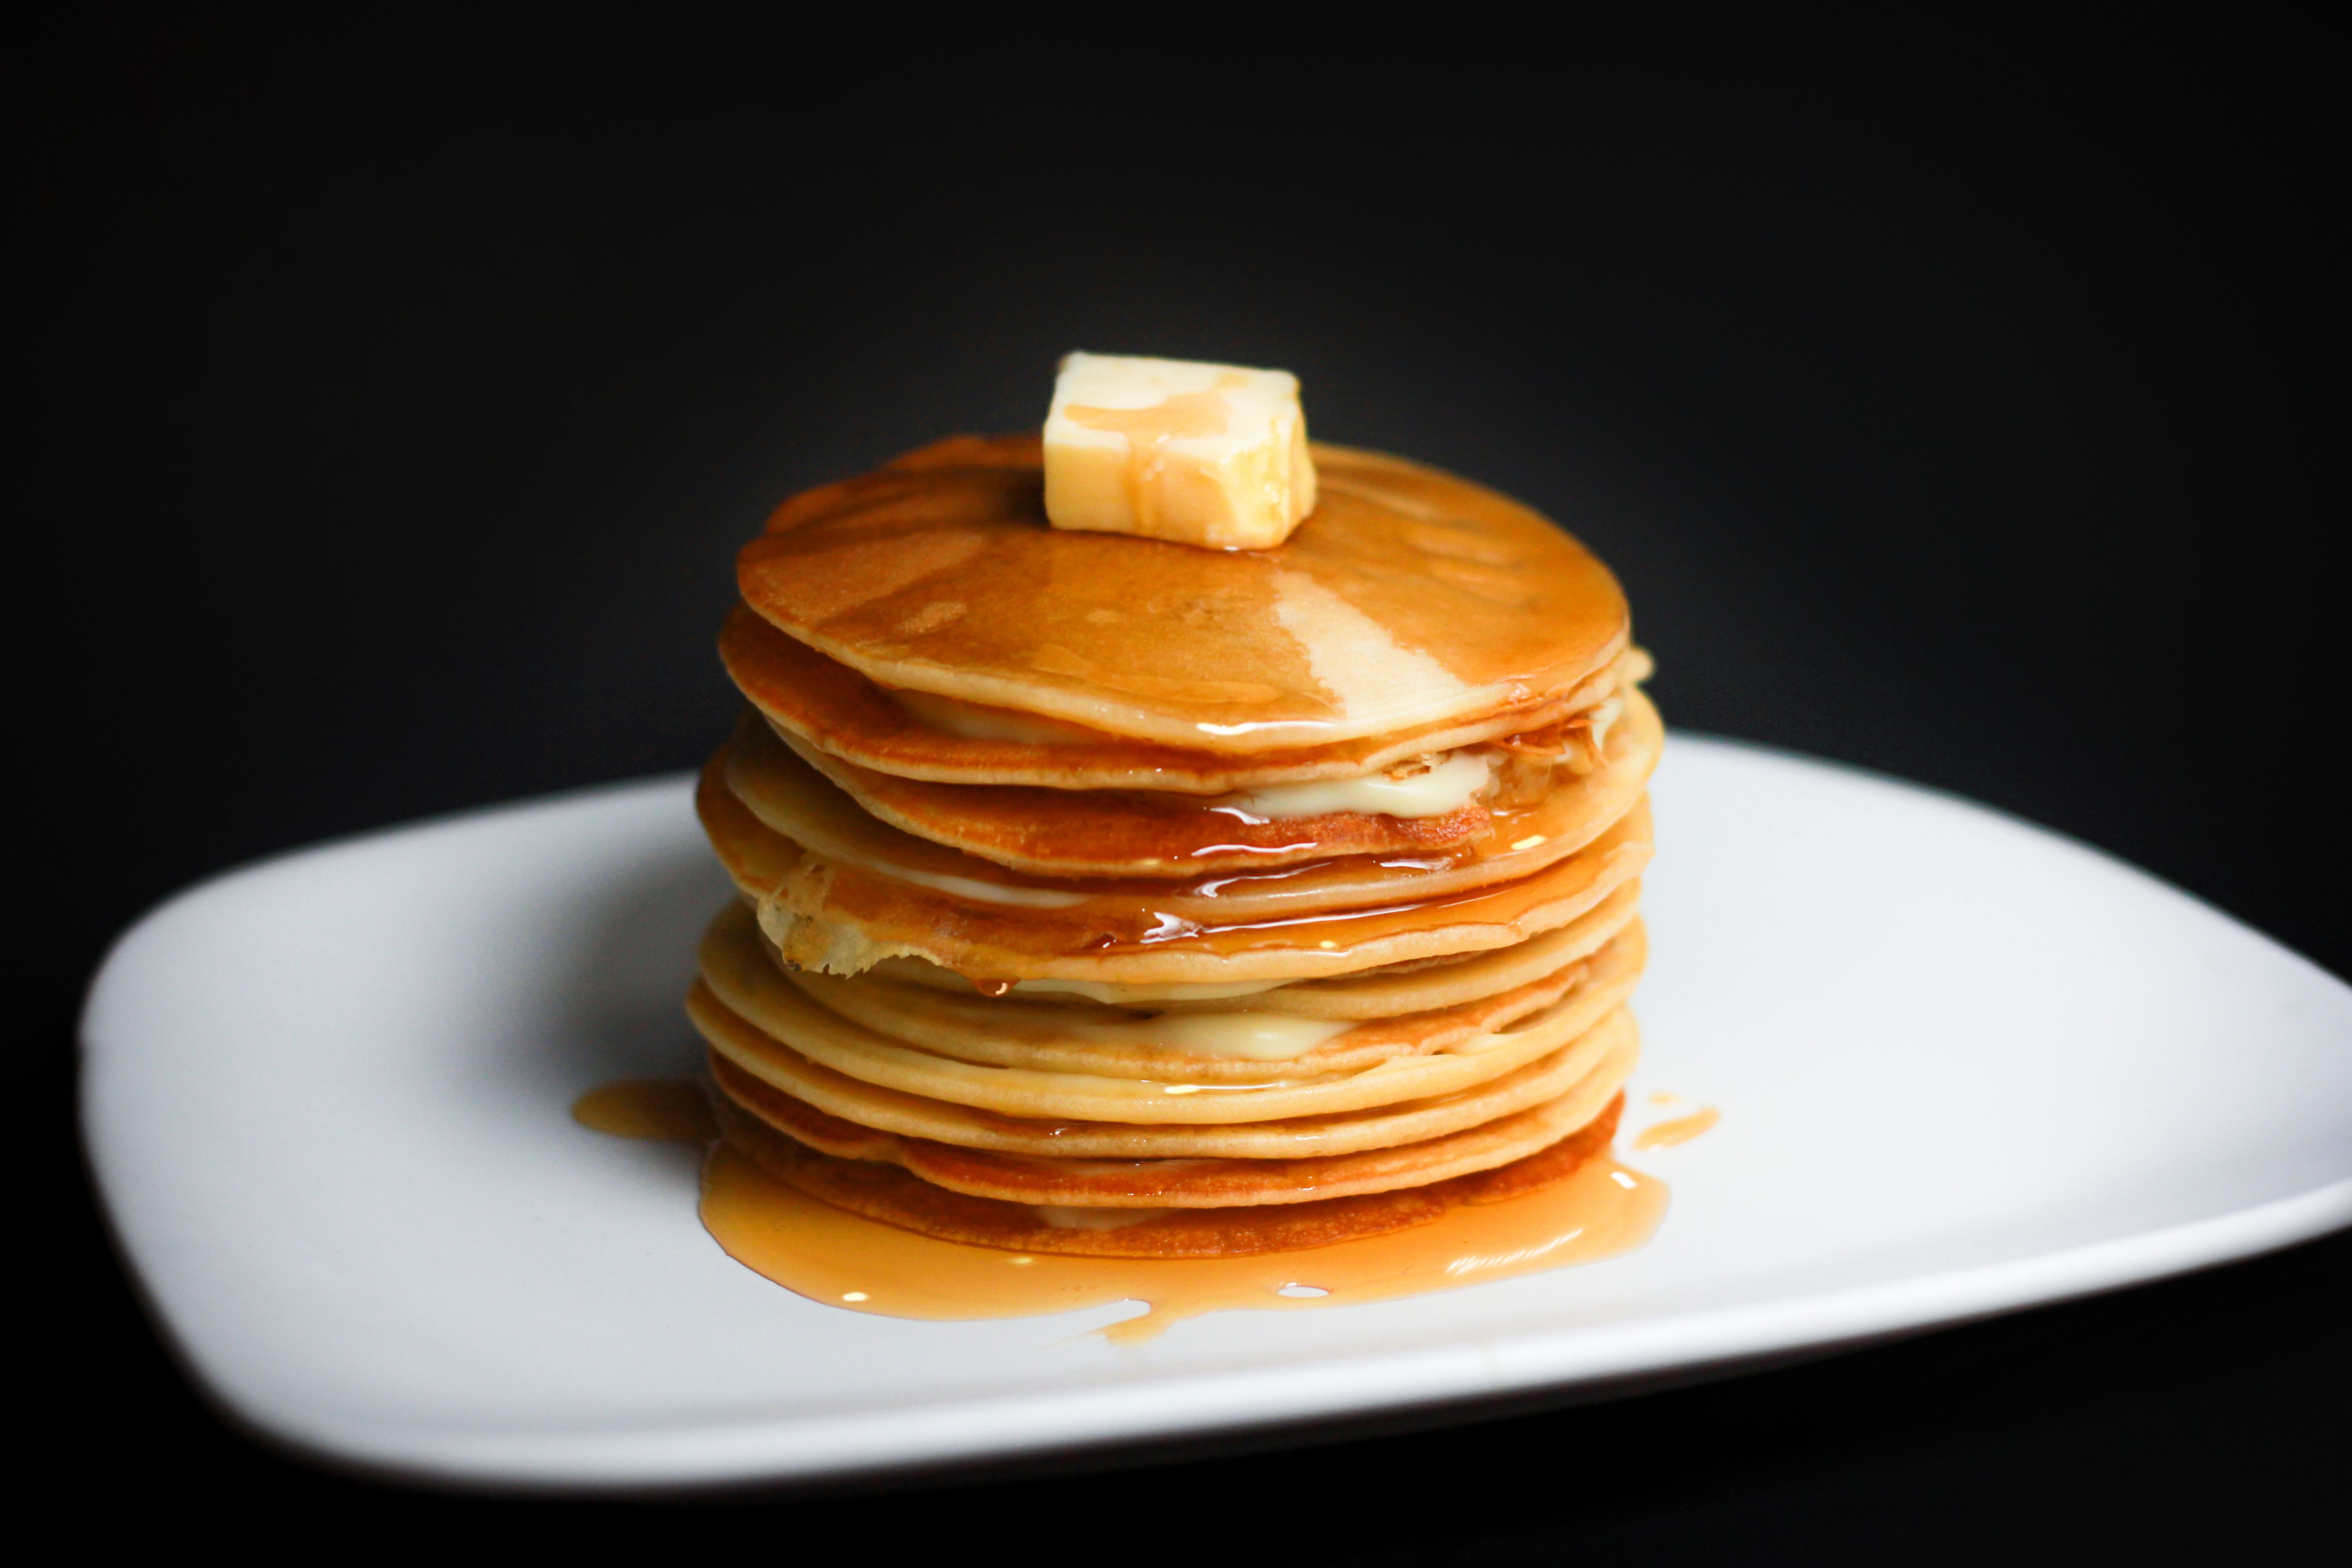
(1680, 1130)
(846, 1260)
(1178, 416)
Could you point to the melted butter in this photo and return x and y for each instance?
(1252, 1037)
(1107, 991)
(1249, 1037)
(842, 1259)
(1447, 786)
(1607, 714)
(987, 1087)
(828, 1255)
(1681, 1130)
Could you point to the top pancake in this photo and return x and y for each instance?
(1410, 599)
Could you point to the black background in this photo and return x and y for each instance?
(1961, 405)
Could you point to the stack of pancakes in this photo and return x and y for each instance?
(1106, 895)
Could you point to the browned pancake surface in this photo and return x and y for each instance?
(1180, 1183)
(832, 707)
(1392, 991)
(1410, 598)
(1113, 833)
(840, 919)
(1057, 1037)
(894, 1195)
(795, 799)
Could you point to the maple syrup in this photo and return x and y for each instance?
(844, 1260)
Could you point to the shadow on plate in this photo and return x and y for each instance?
(614, 1002)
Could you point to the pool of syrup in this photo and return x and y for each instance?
(844, 1260)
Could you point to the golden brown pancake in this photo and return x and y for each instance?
(1411, 598)
(889, 1110)
(839, 710)
(1029, 957)
(761, 862)
(896, 1197)
(840, 919)
(1390, 991)
(1127, 833)
(1181, 1184)
(801, 804)
(1065, 833)
(1434, 1056)
(1183, 1047)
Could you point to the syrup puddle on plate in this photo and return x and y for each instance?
(848, 1261)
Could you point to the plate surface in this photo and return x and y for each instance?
(1964, 1066)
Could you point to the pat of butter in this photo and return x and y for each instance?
(1211, 455)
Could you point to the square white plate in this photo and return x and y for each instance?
(1964, 1066)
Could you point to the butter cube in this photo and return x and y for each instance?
(1212, 455)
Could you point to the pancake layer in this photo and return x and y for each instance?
(1388, 991)
(800, 802)
(887, 1108)
(1197, 1183)
(1108, 896)
(1412, 598)
(839, 710)
(881, 1190)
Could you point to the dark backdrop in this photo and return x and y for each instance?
(1957, 405)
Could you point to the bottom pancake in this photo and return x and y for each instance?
(896, 1197)
(1203, 1181)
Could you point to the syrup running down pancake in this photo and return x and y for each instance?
(1113, 897)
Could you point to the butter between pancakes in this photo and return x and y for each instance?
(1107, 895)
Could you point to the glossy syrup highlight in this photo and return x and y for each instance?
(844, 1260)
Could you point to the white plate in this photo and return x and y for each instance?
(1964, 1066)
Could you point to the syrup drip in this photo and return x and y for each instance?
(1681, 1130)
(657, 1109)
(1177, 418)
(846, 1260)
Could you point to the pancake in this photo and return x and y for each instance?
(758, 860)
(1108, 896)
(1187, 1183)
(839, 919)
(835, 709)
(892, 1110)
(801, 804)
(1409, 1059)
(893, 1195)
(761, 864)
(1126, 833)
(1390, 991)
(1239, 1045)
(1065, 833)
(1410, 599)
